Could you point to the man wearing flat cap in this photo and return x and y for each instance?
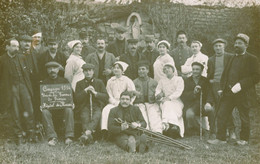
(131, 57)
(118, 47)
(216, 65)
(145, 97)
(238, 87)
(90, 98)
(65, 114)
(194, 86)
(52, 54)
(102, 60)
(87, 48)
(150, 53)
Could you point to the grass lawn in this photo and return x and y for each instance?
(108, 153)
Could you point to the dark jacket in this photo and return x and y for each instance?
(150, 57)
(132, 61)
(188, 97)
(152, 84)
(129, 114)
(212, 62)
(249, 76)
(6, 80)
(45, 58)
(86, 50)
(117, 47)
(81, 98)
(93, 59)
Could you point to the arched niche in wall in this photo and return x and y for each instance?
(134, 21)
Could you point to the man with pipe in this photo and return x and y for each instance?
(145, 98)
(48, 115)
(90, 97)
(125, 135)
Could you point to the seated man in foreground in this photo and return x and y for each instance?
(49, 114)
(90, 97)
(125, 135)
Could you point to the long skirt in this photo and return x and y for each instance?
(152, 116)
(172, 113)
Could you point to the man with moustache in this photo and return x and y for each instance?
(66, 113)
(87, 48)
(90, 98)
(238, 87)
(102, 60)
(16, 91)
(216, 65)
(149, 54)
(131, 58)
(52, 54)
(182, 52)
(37, 46)
(118, 47)
(125, 135)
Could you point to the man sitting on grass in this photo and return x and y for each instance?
(125, 135)
(49, 115)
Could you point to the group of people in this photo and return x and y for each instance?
(169, 91)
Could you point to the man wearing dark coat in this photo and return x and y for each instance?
(194, 86)
(238, 87)
(125, 135)
(149, 54)
(52, 54)
(16, 90)
(131, 57)
(90, 98)
(118, 46)
(87, 48)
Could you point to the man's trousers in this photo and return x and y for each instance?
(22, 109)
(66, 114)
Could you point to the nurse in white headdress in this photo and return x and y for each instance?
(73, 71)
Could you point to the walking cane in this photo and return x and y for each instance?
(200, 115)
(90, 104)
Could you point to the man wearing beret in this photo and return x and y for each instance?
(52, 54)
(90, 98)
(37, 45)
(150, 53)
(182, 52)
(238, 87)
(145, 97)
(216, 65)
(87, 48)
(131, 57)
(48, 115)
(16, 91)
(194, 86)
(102, 60)
(118, 47)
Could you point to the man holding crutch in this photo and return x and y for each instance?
(90, 97)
